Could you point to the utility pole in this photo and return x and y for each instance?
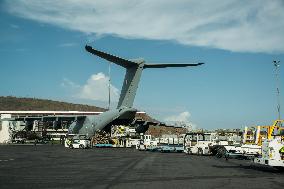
(277, 67)
(109, 83)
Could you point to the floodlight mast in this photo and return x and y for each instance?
(109, 85)
(277, 67)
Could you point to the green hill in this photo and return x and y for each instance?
(10, 103)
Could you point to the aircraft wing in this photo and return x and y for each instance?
(170, 65)
(117, 60)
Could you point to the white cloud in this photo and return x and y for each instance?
(95, 88)
(14, 26)
(184, 116)
(243, 26)
(67, 44)
(182, 119)
(69, 84)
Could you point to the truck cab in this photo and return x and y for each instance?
(198, 143)
(77, 141)
(146, 142)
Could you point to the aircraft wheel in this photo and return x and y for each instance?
(200, 152)
(221, 152)
(189, 152)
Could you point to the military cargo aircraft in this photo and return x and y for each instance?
(124, 112)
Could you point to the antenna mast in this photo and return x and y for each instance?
(277, 67)
(109, 83)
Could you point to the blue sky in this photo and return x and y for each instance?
(42, 55)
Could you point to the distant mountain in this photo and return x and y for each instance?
(10, 103)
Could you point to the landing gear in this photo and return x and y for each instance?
(200, 152)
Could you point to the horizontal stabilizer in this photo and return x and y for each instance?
(117, 60)
(170, 65)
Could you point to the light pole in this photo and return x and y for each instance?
(109, 85)
(277, 67)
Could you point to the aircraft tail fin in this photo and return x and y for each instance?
(130, 85)
(131, 79)
(134, 70)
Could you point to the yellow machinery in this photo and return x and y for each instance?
(259, 133)
(272, 149)
(277, 125)
(253, 137)
(270, 131)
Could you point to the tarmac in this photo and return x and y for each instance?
(53, 166)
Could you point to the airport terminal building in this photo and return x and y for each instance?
(39, 123)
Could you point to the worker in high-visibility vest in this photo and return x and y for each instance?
(68, 142)
(281, 151)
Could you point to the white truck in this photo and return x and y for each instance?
(251, 142)
(146, 142)
(272, 153)
(198, 143)
(77, 141)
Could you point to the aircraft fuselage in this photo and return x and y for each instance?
(90, 124)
